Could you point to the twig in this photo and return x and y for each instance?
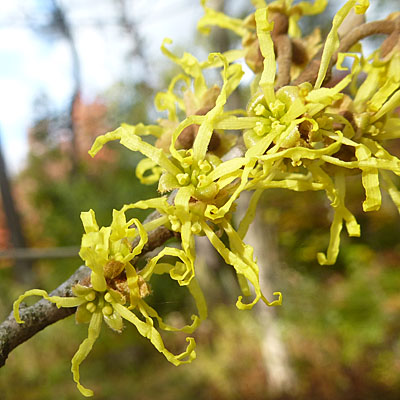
(392, 40)
(284, 60)
(282, 47)
(37, 317)
(384, 27)
(38, 253)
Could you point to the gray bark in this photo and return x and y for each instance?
(37, 317)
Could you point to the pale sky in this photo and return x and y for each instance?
(30, 64)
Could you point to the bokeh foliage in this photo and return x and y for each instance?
(340, 323)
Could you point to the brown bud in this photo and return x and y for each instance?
(281, 24)
(253, 57)
(204, 110)
(305, 128)
(248, 39)
(113, 268)
(346, 153)
(215, 141)
(299, 52)
(186, 138)
(209, 98)
(350, 117)
(188, 135)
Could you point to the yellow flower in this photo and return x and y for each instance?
(110, 306)
(108, 250)
(117, 289)
(206, 186)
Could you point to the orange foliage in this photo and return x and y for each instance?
(90, 121)
(4, 233)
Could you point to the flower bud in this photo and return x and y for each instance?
(91, 307)
(91, 296)
(107, 310)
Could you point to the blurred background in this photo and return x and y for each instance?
(71, 70)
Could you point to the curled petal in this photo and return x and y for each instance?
(332, 41)
(370, 181)
(241, 258)
(128, 138)
(250, 214)
(84, 349)
(57, 300)
(336, 193)
(147, 330)
(183, 271)
(388, 107)
(231, 77)
(167, 101)
(393, 191)
(148, 311)
(89, 221)
(190, 65)
(198, 297)
(216, 18)
(148, 165)
(95, 247)
(307, 8)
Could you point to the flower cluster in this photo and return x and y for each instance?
(117, 292)
(317, 113)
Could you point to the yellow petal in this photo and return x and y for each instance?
(84, 349)
(264, 28)
(129, 139)
(332, 40)
(370, 181)
(57, 300)
(216, 18)
(147, 330)
(89, 221)
(145, 165)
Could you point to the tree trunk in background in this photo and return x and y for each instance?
(23, 268)
(62, 25)
(280, 375)
(130, 26)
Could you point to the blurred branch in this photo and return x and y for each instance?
(383, 27)
(61, 23)
(38, 253)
